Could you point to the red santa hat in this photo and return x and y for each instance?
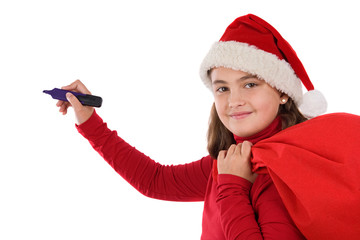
(252, 45)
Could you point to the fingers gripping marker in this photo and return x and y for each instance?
(85, 99)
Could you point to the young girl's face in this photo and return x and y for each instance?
(245, 104)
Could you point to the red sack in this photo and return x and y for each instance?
(315, 166)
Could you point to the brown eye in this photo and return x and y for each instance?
(221, 89)
(250, 85)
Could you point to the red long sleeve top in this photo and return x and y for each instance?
(233, 207)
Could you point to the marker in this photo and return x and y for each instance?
(85, 99)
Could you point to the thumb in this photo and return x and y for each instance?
(75, 103)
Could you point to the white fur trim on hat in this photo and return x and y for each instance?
(247, 58)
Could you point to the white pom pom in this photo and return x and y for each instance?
(313, 104)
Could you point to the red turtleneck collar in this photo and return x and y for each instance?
(270, 130)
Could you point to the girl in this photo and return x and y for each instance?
(247, 182)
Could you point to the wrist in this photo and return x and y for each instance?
(84, 115)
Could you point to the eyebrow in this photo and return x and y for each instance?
(219, 81)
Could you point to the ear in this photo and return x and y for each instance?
(283, 98)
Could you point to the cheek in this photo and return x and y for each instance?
(269, 104)
(219, 104)
(219, 110)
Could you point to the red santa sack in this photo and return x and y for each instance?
(315, 166)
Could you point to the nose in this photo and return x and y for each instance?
(236, 99)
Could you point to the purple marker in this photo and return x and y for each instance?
(85, 99)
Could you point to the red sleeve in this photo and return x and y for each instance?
(253, 211)
(186, 182)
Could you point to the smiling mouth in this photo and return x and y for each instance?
(240, 115)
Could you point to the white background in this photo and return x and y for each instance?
(142, 57)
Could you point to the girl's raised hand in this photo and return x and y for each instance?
(82, 113)
(236, 161)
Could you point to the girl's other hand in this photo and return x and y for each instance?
(236, 161)
(82, 113)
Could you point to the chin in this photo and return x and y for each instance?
(242, 133)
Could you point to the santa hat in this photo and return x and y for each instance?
(252, 45)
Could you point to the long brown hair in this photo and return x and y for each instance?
(220, 138)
